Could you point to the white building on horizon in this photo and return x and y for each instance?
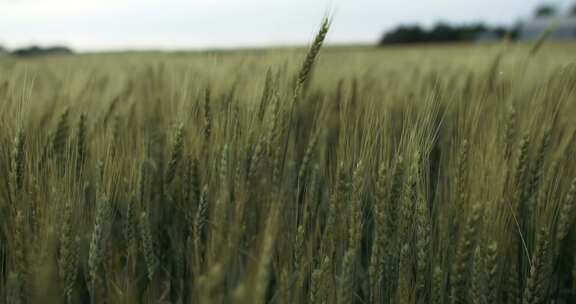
(562, 28)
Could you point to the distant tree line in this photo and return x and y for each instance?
(441, 32)
(37, 51)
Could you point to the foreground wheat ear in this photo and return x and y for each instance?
(436, 174)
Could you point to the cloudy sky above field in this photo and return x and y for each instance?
(177, 24)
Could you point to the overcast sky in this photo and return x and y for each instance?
(176, 24)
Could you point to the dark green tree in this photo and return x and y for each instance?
(545, 10)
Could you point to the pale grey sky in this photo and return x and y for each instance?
(178, 24)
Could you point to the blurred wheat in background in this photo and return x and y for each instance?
(444, 174)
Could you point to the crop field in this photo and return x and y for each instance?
(409, 174)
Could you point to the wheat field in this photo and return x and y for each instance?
(412, 174)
